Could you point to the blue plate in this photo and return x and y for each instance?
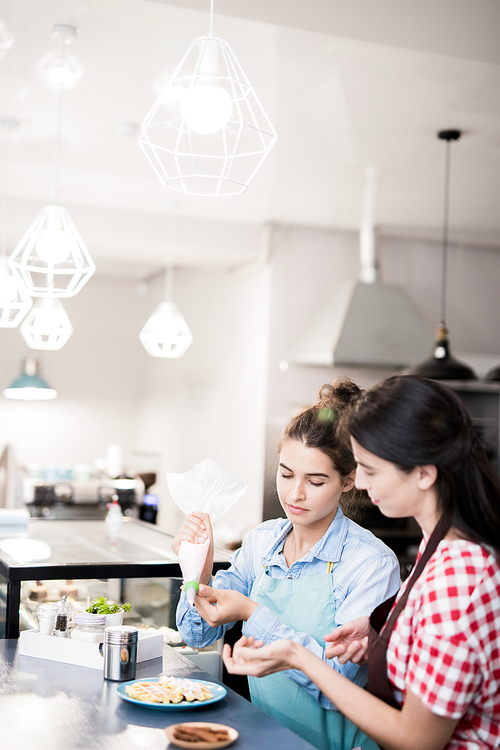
(217, 691)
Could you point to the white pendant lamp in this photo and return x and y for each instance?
(6, 39)
(207, 133)
(166, 333)
(47, 325)
(30, 386)
(59, 69)
(51, 258)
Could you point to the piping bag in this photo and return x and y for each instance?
(207, 488)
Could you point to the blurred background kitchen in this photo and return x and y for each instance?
(352, 190)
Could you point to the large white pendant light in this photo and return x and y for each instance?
(47, 325)
(441, 365)
(30, 386)
(6, 39)
(51, 257)
(207, 133)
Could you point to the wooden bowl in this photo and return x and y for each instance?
(233, 735)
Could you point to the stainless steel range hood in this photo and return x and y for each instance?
(365, 322)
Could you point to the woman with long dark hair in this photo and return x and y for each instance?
(299, 576)
(433, 651)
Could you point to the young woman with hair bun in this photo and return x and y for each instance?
(433, 652)
(301, 576)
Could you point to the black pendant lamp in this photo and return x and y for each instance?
(441, 365)
(493, 375)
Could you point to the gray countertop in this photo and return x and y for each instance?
(46, 705)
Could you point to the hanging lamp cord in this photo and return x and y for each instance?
(448, 136)
(211, 30)
(444, 259)
(169, 265)
(59, 128)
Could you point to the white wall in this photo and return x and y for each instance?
(166, 414)
(97, 375)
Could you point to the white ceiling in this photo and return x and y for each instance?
(346, 84)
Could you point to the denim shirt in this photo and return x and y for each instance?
(365, 573)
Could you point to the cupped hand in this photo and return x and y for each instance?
(250, 657)
(197, 529)
(220, 606)
(349, 642)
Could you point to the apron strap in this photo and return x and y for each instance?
(378, 682)
(437, 535)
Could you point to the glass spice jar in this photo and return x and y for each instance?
(64, 610)
(88, 628)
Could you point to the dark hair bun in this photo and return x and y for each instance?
(339, 395)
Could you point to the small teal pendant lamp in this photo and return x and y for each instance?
(30, 386)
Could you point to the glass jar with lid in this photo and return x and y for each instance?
(88, 627)
(46, 614)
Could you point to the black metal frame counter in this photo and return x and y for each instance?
(54, 706)
(80, 550)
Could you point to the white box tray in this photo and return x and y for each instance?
(32, 643)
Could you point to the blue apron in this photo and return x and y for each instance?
(307, 605)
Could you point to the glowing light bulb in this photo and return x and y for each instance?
(54, 246)
(48, 321)
(206, 108)
(61, 75)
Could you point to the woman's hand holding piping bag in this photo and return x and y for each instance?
(197, 529)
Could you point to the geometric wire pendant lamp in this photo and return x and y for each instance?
(441, 365)
(207, 133)
(51, 257)
(166, 333)
(47, 325)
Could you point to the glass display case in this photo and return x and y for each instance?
(77, 556)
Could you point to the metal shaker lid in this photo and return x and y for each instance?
(121, 634)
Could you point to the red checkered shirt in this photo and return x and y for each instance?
(445, 646)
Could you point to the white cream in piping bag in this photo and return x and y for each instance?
(192, 559)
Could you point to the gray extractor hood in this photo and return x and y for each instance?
(365, 322)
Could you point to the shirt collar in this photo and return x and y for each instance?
(328, 548)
